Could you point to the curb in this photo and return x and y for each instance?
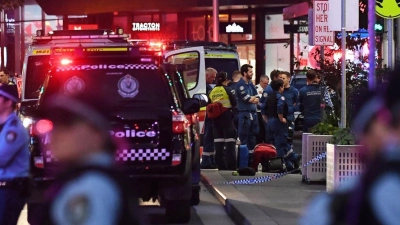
(238, 207)
(237, 217)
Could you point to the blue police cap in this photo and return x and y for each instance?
(10, 92)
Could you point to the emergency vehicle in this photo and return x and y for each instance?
(37, 57)
(195, 57)
(155, 116)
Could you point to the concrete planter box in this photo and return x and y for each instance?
(313, 146)
(343, 163)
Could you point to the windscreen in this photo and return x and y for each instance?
(221, 64)
(36, 71)
(125, 83)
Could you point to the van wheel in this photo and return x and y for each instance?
(195, 200)
(177, 211)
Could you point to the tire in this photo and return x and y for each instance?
(177, 211)
(195, 200)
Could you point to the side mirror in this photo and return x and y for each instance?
(203, 99)
(190, 106)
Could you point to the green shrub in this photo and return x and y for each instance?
(323, 128)
(342, 136)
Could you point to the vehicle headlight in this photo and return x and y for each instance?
(27, 121)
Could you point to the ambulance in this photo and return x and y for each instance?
(194, 57)
(37, 57)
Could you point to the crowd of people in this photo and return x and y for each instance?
(262, 113)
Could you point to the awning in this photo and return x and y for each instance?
(83, 7)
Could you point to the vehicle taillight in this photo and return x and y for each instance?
(176, 159)
(40, 127)
(179, 123)
(38, 160)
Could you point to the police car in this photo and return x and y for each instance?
(37, 57)
(154, 119)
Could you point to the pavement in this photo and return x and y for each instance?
(277, 202)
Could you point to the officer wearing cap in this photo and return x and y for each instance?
(14, 157)
(87, 190)
(248, 99)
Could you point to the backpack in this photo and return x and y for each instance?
(215, 110)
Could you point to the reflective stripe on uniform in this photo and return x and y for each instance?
(287, 154)
(230, 140)
(208, 153)
(219, 140)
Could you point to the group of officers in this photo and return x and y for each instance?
(262, 113)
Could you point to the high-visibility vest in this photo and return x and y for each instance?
(219, 94)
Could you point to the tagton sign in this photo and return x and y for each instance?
(322, 35)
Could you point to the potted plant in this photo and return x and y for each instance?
(314, 144)
(343, 161)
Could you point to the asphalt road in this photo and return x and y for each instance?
(209, 211)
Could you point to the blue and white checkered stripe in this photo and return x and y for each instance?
(264, 179)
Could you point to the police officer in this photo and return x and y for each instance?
(224, 128)
(5, 77)
(87, 189)
(291, 95)
(236, 75)
(248, 100)
(277, 112)
(14, 158)
(274, 75)
(264, 81)
(208, 160)
(310, 101)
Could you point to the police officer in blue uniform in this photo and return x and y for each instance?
(88, 189)
(274, 75)
(310, 101)
(292, 100)
(277, 112)
(248, 128)
(14, 158)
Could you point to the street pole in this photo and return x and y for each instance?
(215, 20)
(344, 88)
(390, 42)
(371, 43)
